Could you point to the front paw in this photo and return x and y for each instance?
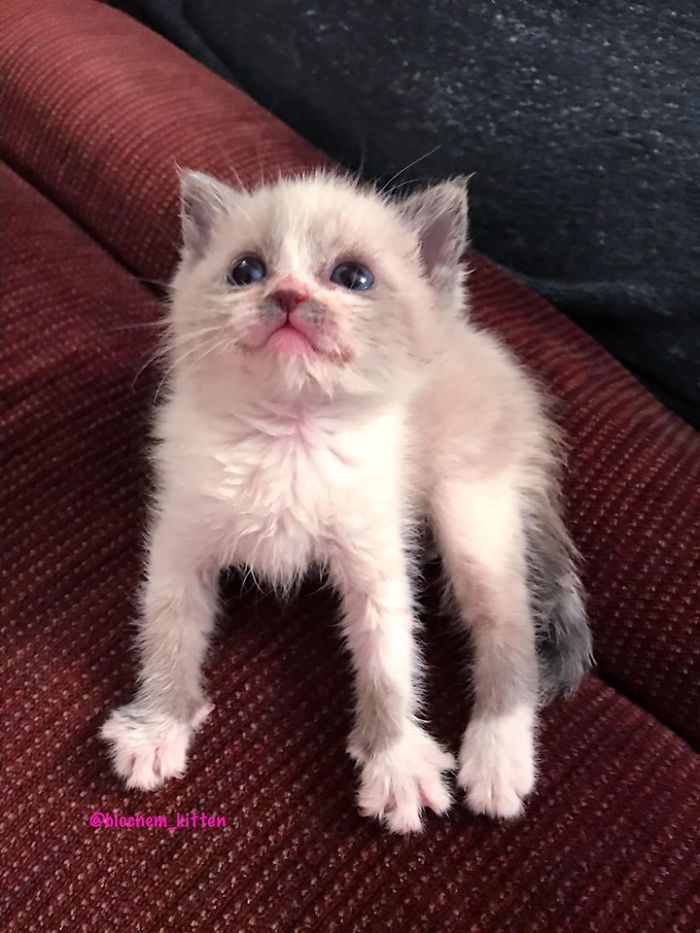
(400, 782)
(497, 763)
(147, 747)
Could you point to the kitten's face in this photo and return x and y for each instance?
(312, 281)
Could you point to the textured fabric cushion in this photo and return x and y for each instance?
(608, 842)
(98, 111)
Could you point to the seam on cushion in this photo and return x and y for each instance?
(611, 681)
(153, 289)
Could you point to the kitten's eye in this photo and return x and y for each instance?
(353, 276)
(246, 271)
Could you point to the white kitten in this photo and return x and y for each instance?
(326, 393)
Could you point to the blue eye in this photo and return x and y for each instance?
(246, 271)
(353, 276)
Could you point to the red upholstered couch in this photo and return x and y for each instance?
(96, 112)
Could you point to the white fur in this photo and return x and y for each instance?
(401, 782)
(273, 464)
(497, 764)
(148, 749)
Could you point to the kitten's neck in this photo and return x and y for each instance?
(257, 403)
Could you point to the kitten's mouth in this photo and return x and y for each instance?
(294, 339)
(289, 340)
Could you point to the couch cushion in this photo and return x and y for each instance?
(98, 110)
(607, 843)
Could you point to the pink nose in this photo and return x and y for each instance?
(288, 298)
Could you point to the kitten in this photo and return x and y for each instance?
(326, 393)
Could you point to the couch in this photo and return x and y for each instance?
(97, 113)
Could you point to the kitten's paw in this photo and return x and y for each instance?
(148, 748)
(398, 784)
(497, 763)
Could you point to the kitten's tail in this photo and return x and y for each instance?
(564, 644)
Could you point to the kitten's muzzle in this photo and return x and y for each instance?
(287, 299)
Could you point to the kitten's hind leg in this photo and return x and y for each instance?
(480, 533)
(149, 738)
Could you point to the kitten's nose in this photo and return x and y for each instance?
(288, 298)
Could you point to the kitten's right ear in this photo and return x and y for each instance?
(203, 201)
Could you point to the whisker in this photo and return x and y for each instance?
(182, 339)
(406, 167)
(164, 286)
(170, 369)
(247, 216)
(234, 171)
(230, 167)
(169, 345)
(226, 160)
(402, 184)
(162, 323)
(363, 156)
(181, 360)
(151, 359)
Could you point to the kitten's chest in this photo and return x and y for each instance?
(273, 492)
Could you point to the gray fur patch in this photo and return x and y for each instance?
(564, 643)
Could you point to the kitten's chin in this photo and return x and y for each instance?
(287, 362)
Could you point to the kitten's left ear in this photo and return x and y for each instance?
(439, 215)
(203, 200)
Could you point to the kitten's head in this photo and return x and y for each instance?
(314, 282)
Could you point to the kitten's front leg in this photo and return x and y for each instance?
(149, 738)
(401, 764)
(482, 541)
